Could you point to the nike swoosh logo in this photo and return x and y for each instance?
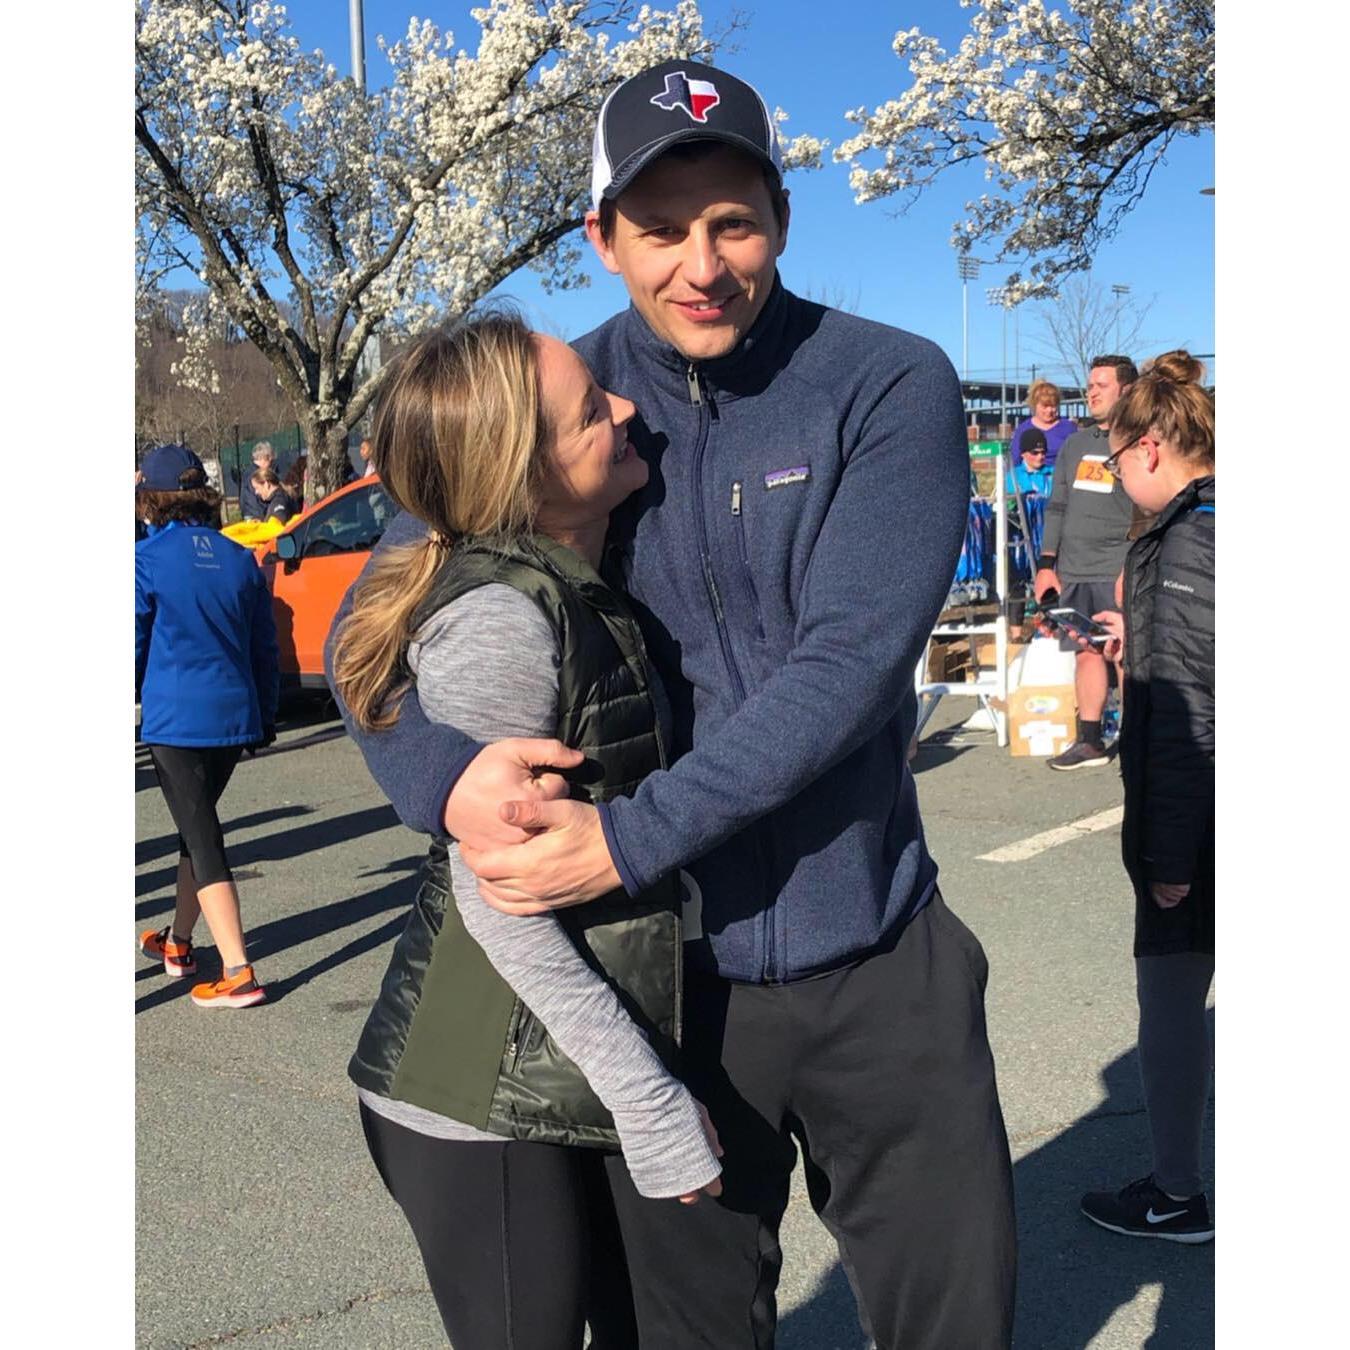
(1162, 1218)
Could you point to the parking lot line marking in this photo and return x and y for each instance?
(1061, 834)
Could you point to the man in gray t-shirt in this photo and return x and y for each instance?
(1087, 524)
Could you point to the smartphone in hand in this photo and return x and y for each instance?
(1075, 622)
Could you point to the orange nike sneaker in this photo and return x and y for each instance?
(177, 956)
(234, 991)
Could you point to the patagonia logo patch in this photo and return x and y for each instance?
(783, 477)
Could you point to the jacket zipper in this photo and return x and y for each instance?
(701, 534)
(514, 1037)
(719, 618)
(745, 559)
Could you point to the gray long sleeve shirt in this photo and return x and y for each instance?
(488, 664)
(1087, 520)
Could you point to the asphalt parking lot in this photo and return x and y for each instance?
(260, 1219)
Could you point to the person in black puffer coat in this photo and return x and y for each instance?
(1162, 439)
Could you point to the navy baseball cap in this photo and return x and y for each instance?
(163, 467)
(673, 102)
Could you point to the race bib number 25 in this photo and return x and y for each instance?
(1093, 475)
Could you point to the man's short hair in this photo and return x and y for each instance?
(1126, 372)
(693, 151)
(263, 450)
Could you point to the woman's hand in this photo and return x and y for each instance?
(714, 1187)
(1114, 623)
(1168, 895)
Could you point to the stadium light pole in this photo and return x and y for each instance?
(968, 269)
(1120, 292)
(998, 295)
(358, 29)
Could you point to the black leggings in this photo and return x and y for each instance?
(519, 1240)
(192, 779)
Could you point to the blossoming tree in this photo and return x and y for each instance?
(1070, 111)
(318, 215)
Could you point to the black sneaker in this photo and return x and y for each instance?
(1080, 755)
(1143, 1210)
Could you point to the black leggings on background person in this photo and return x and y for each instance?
(882, 1074)
(1175, 1062)
(192, 780)
(518, 1239)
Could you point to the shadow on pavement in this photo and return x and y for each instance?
(292, 843)
(936, 750)
(270, 939)
(1071, 1276)
(147, 850)
(827, 1321)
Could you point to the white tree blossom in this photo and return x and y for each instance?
(1070, 112)
(316, 215)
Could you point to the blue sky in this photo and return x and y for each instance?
(816, 60)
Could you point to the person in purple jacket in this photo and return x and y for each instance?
(793, 545)
(1043, 399)
(206, 679)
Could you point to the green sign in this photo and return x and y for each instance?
(987, 449)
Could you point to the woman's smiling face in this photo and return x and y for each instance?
(591, 465)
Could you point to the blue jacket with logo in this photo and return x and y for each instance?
(206, 645)
(787, 558)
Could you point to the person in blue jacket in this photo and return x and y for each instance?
(206, 678)
(795, 541)
(1031, 473)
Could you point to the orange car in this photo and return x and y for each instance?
(309, 566)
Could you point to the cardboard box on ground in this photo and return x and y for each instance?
(1042, 719)
(1042, 709)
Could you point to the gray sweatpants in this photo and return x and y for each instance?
(1176, 1060)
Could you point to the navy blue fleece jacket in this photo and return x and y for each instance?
(787, 559)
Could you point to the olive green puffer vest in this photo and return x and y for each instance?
(447, 1032)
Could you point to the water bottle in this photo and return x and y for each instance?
(1111, 717)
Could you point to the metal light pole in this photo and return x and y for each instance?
(968, 269)
(998, 295)
(358, 27)
(1120, 292)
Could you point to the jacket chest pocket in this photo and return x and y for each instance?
(743, 555)
(771, 513)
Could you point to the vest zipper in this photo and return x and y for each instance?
(513, 1036)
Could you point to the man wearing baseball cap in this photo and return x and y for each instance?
(798, 533)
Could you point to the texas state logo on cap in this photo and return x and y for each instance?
(673, 102)
(696, 97)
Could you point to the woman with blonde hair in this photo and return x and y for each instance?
(506, 1059)
(1162, 443)
(1043, 398)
